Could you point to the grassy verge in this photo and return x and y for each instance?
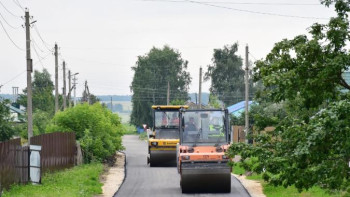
(143, 136)
(78, 181)
(129, 129)
(272, 191)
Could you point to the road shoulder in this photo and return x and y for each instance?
(114, 177)
(253, 187)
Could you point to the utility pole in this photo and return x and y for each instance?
(56, 78)
(111, 104)
(168, 94)
(64, 86)
(200, 88)
(246, 94)
(29, 78)
(69, 88)
(75, 88)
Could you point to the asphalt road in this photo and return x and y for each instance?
(142, 180)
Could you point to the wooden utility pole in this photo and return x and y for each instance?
(69, 89)
(56, 78)
(246, 126)
(64, 86)
(111, 104)
(75, 88)
(29, 78)
(200, 88)
(168, 94)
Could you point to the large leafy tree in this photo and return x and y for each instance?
(42, 88)
(310, 145)
(153, 71)
(6, 130)
(226, 75)
(310, 66)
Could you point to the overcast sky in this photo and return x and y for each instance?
(102, 39)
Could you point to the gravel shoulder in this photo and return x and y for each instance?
(254, 188)
(114, 177)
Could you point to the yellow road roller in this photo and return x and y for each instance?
(163, 139)
(201, 154)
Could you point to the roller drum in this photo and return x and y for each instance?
(205, 178)
(162, 158)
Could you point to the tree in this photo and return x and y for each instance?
(226, 74)
(153, 71)
(310, 145)
(311, 67)
(214, 102)
(42, 87)
(6, 130)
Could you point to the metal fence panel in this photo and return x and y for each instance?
(58, 150)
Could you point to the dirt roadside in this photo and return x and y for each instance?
(113, 178)
(254, 188)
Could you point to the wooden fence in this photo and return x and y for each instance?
(14, 163)
(239, 135)
(58, 151)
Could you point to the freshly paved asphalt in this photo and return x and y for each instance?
(142, 180)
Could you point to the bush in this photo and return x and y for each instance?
(98, 130)
(6, 130)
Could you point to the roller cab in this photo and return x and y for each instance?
(201, 154)
(163, 140)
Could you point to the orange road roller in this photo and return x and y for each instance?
(201, 154)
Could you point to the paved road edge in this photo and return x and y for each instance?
(117, 189)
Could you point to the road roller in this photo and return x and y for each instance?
(201, 153)
(163, 139)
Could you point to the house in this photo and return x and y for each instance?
(17, 114)
(238, 108)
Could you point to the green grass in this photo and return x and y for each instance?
(129, 129)
(143, 136)
(272, 191)
(78, 181)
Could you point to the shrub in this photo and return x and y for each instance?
(98, 130)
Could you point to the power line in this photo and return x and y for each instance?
(41, 38)
(9, 37)
(14, 78)
(8, 10)
(37, 54)
(36, 44)
(8, 22)
(240, 3)
(18, 4)
(47, 55)
(254, 12)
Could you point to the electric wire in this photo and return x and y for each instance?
(18, 4)
(9, 37)
(241, 3)
(37, 54)
(41, 38)
(255, 12)
(3, 18)
(13, 78)
(36, 44)
(9, 10)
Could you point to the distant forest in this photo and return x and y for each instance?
(105, 98)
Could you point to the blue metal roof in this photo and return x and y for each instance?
(238, 108)
(19, 111)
